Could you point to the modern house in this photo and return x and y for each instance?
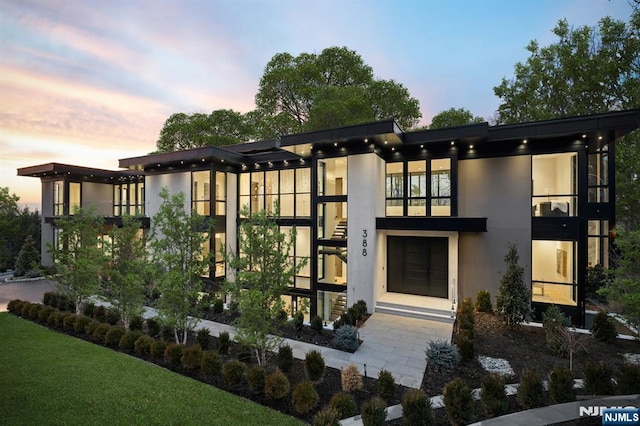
(410, 222)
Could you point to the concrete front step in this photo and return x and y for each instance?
(419, 312)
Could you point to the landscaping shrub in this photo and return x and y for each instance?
(62, 315)
(34, 311)
(531, 390)
(89, 309)
(100, 332)
(67, 323)
(416, 408)
(628, 379)
(255, 378)
(362, 306)
(203, 338)
(233, 372)
(24, 312)
(604, 328)
(80, 323)
(100, 313)
(458, 401)
(513, 300)
(386, 386)
(355, 314)
(218, 306)
(465, 325)
(483, 301)
(173, 353)
(224, 342)
(465, 346)
(211, 364)
(493, 395)
(53, 317)
(466, 308)
(158, 348)
(276, 385)
(597, 379)
(245, 353)
(153, 327)
(344, 404)
(316, 324)
(44, 313)
(553, 320)
(50, 298)
(89, 328)
(442, 355)
(348, 318)
(167, 333)
(346, 338)
(15, 306)
(64, 303)
(328, 416)
(113, 316)
(298, 320)
(561, 385)
(128, 340)
(136, 323)
(314, 365)
(337, 324)
(374, 412)
(113, 336)
(351, 379)
(191, 357)
(304, 397)
(282, 315)
(284, 359)
(143, 345)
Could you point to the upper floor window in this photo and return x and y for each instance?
(332, 176)
(441, 187)
(128, 198)
(555, 188)
(201, 192)
(58, 198)
(221, 194)
(599, 175)
(290, 188)
(75, 189)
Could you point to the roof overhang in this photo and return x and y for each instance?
(57, 170)
(206, 154)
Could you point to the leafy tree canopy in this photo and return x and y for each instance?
(15, 226)
(296, 94)
(454, 117)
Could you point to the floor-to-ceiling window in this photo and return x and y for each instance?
(128, 198)
(555, 187)
(554, 274)
(201, 192)
(75, 189)
(58, 198)
(291, 188)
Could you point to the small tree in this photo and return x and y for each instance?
(78, 254)
(177, 246)
(127, 272)
(28, 258)
(264, 270)
(513, 301)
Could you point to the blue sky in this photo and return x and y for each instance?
(89, 82)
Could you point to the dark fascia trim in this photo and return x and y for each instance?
(467, 133)
(60, 170)
(622, 122)
(459, 224)
(254, 147)
(207, 153)
(358, 131)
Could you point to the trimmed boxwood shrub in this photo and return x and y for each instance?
(386, 386)
(328, 416)
(344, 404)
(158, 348)
(136, 323)
(255, 378)
(34, 311)
(80, 323)
(483, 301)
(316, 324)
(531, 390)
(284, 359)
(458, 401)
(276, 385)
(493, 397)
(100, 332)
(314, 365)
(24, 312)
(304, 397)
(597, 379)
(50, 298)
(67, 322)
(113, 316)
(233, 372)
(604, 328)
(224, 342)
(53, 317)
(346, 338)
(416, 408)
(191, 357)
(561, 385)
(374, 412)
(204, 338)
(114, 335)
(90, 327)
(45, 312)
(218, 306)
(628, 379)
(15, 306)
(153, 327)
(173, 353)
(143, 345)
(128, 341)
(465, 345)
(298, 320)
(61, 317)
(211, 364)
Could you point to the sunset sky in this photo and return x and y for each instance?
(90, 82)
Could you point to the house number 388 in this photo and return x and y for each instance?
(364, 242)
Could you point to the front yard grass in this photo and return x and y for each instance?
(49, 378)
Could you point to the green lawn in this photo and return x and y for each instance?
(49, 378)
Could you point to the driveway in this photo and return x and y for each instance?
(31, 291)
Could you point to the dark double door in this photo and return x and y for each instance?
(418, 265)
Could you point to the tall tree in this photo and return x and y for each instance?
(454, 117)
(128, 271)
(180, 260)
(15, 226)
(78, 254)
(587, 70)
(28, 258)
(263, 271)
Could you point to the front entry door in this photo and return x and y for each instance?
(418, 265)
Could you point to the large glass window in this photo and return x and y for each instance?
(418, 190)
(394, 184)
(598, 243)
(332, 265)
(58, 198)
(599, 176)
(291, 188)
(303, 192)
(331, 305)
(128, 198)
(332, 221)
(287, 193)
(300, 250)
(332, 176)
(201, 192)
(555, 186)
(74, 196)
(220, 239)
(553, 265)
(221, 194)
(441, 187)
